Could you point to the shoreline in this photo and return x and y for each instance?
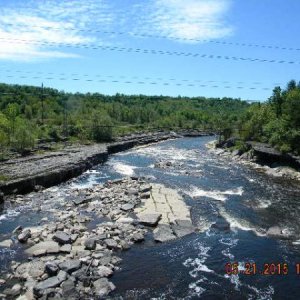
(38, 171)
(278, 171)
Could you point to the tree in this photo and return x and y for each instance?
(277, 100)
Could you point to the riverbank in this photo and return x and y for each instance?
(263, 158)
(34, 172)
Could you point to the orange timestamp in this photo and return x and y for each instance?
(251, 268)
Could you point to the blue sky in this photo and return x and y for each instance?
(202, 47)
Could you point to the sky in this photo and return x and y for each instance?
(211, 48)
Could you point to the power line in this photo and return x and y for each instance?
(134, 77)
(146, 35)
(138, 82)
(146, 51)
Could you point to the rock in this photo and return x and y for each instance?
(137, 237)
(90, 244)
(145, 188)
(163, 233)
(62, 237)
(131, 192)
(104, 271)
(149, 219)
(6, 243)
(70, 265)
(42, 248)
(111, 244)
(145, 195)
(17, 229)
(33, 269)
(183, 227)
(51, 268)
(103, 287)
(127, 206)
(67, 248)
(68, 290)
(124, 245)
(24, 236)
(16, 289)
(83, 200)
(124, 220)
(221, 224)
(51, 282)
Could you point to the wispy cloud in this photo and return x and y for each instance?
(190, 19)
(49, 22)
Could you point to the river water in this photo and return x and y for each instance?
(218, 190)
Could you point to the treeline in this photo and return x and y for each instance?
(276, 121)
(29, 114)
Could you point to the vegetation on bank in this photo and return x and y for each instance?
(277, 121)
(30, 114)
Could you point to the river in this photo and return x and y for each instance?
(218, 190)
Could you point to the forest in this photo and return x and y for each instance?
(30, 115)
(276, 121)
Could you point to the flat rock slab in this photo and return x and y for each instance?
(183, 228)
(149, 219)
(32, 269)
(43, 248)
(70, 265)
(163, 233)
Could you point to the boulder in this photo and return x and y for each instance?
(62, 237)
(70, 265)
(111, 244)
(104, 271)
(51, 282)
(42, 248)
(149, 219)
(103, 287)
(24, 236)
(33, 269)
(51, 268)
(90, 243)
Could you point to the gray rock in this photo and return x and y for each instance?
(51, 268)
(51, 282)
(149, 219)
(42, 248)
(103, 287)
(146, 195)
(132, 192)
(90, 244)
(137, 237)
(111, 244)
(183, 228)
(127, 207)
(33, 269)
(24, 236)
(68, 290)
(145, 188)
(70, 265)
(17, 229)
(62, 237)
(82, 200)
(6, 243)
(67, 248)
(104, 271)
(163, 233)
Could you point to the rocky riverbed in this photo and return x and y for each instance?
(73, 253)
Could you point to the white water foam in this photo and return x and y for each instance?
(122, 168)
(195, 192)
(10, 213)
(239, 223)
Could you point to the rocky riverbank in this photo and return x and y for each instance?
(74, 251)
(261, 157)
(25, 174)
